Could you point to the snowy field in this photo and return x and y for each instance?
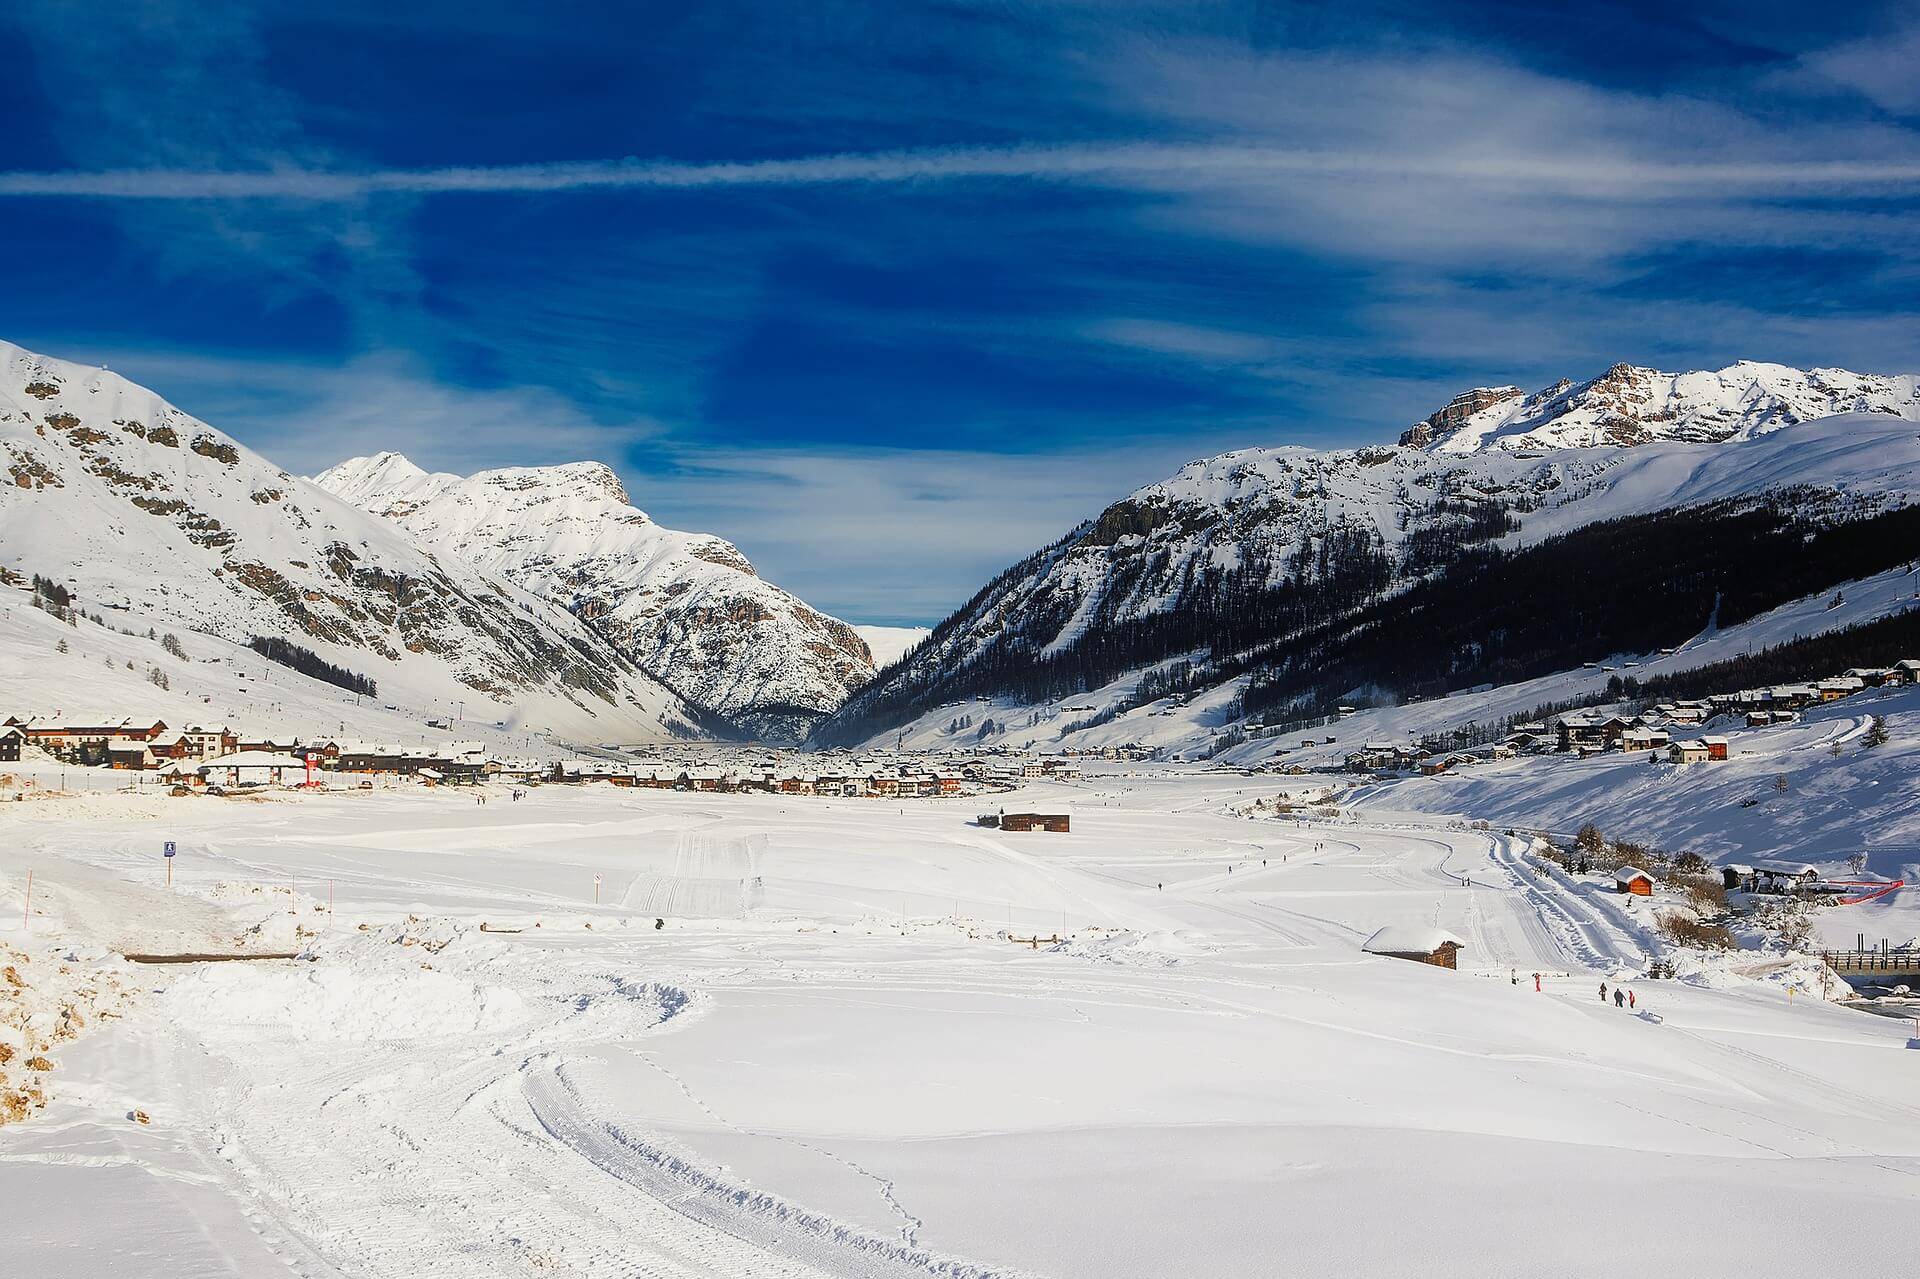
(828, 1058)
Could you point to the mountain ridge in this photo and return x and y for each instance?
(143, 508)
(1233, 553)
(689, 608)
(1629, 405)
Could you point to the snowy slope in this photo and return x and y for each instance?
(1189, 727)
(687, 607)
(1811, 791)
(163, 521)
(1262, 520)
(1628, 406)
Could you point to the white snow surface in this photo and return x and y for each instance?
(155, 519)
(688, 607)
(829, 1059)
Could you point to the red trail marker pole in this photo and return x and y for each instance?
(26, 910)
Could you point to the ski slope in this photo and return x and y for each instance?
(830, 1060)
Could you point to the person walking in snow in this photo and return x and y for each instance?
(1603, 992)
(1536, 983)
(1619, 998)
(1631, 1001)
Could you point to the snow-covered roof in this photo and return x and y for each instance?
(1627, 874)
(1405, 939)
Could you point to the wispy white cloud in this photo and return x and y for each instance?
(892, 535)
(1598, 176)
(895, 536)
(1885, 69)
(307, 416)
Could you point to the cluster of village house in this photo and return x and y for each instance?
(198, 755)
(904, 779)
(1656, 729)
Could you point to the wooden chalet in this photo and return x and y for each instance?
(1058, 823)
(1689, 752)
(1634, 881)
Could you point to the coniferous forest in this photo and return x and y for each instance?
(1450, 609)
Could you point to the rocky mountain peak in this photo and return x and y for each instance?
(1630, 405)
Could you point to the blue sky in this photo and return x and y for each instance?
(891, 293)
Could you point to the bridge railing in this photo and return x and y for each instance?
(1871, 961)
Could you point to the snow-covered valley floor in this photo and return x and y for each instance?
(830, 1061)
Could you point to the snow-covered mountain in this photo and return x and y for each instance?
(158, 518)
(1272, 565)
(1628, 406)
(687, 607)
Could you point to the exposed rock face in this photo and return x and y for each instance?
(1460, 408)
(213, 537)
(1627, 406)
(687, 607)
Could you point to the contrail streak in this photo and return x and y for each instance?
(1173, 164)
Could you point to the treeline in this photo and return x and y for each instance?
(1881, 642)
(309, 663)
(1346, 621)
(1632, 585)
(1217, 612)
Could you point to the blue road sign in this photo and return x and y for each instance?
(170, 849)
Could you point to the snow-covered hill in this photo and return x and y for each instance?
(157, 519)
(1628, 405)
(687, 607)
(1232, 556)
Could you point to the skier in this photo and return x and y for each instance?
(1603, 992)
(1513, 975)
(1619, 998)
(1536, 983)
(1631, 1001)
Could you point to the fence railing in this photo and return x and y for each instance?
(1872, 961)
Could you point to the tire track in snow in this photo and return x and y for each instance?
(754, 1217)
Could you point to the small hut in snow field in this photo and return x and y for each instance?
(1631, 879)
(1059, 823)
(1433, 946)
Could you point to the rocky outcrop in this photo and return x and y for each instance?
(1628, 406)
